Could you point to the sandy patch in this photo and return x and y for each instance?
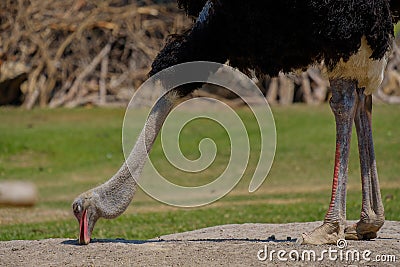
(227, 245)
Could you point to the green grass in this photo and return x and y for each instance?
(65, 152)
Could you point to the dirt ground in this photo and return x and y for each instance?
(227, 245)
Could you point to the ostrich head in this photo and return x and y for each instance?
(108, 201)
(87, 213)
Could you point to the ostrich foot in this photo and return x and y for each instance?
(364, 229)
(328, 233)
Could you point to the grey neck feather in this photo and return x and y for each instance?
(113, 197)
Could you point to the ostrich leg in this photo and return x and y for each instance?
(343, 105)
(372, 212)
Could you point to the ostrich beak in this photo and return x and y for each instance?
(84, 236)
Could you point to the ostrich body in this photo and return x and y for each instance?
(353, 38)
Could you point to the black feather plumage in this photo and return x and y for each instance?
(273, 36)
(192, 7)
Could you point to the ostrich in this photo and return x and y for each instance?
(353, 38)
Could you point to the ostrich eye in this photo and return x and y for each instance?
(77, 208)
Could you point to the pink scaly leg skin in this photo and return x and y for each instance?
(343, 105)
(372, 212)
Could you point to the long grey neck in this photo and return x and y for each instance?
(115, 195)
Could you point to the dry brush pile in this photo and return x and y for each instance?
(390, 89)
(77, 52)
(69, 53)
